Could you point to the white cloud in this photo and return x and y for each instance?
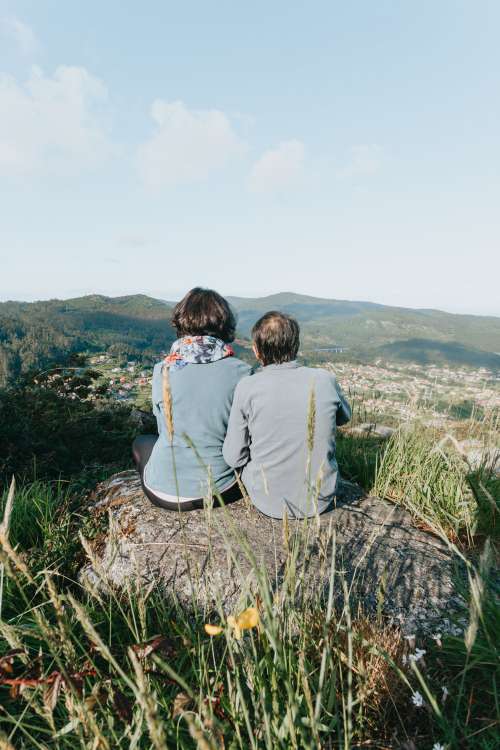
(52, 123)
(23, 36)
(365, 160)
(278, 167)
(187, 144)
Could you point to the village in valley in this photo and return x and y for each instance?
(458, 406)
(399, 392)
(388, 390)
(384, 395)
(127, 381)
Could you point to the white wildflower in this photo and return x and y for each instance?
(437, 746)
(419, 652)
(417, 699)
(446, 692)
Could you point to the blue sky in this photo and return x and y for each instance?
(345, 150)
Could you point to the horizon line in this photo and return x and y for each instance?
(255, 298)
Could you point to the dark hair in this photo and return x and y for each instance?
(203, 312)
(276, 337)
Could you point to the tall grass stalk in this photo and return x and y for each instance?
(98, 667)
(430, 483)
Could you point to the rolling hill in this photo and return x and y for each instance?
(33, 334)
(369, 329)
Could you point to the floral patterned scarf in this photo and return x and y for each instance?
(196, 350)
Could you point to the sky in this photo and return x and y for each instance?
(342, 150)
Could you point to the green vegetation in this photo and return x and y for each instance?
(94, 667)
(99, 668)
(428, 481)
(436, 484)
(426, 351)
(39, 514)
(32, 335)
(358, 457)
(50, 427)
(369, 330)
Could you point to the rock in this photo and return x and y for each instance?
(437, 422)
(479, 456)
(200, 556)
(371, 428)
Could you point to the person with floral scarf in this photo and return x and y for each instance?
(192, 393)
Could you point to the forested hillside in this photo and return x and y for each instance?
(368, 330)
(34, 334)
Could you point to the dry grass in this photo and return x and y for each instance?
(99, 668)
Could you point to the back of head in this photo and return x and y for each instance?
(204, 312)
(276, 338)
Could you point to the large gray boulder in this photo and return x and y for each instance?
(205, 557)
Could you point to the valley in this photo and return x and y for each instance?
(35, 334)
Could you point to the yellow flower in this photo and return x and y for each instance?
(248, 619)
(213, 629)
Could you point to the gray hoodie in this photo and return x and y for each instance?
(201, 396)
(270, 431)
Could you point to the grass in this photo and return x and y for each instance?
(436, 484)
(426, 470)
(430, 482)
(37, 513)
(87, 668)
(358, 457)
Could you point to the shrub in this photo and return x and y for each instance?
(52, 428)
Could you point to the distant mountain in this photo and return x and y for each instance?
(370, 329)
(33, 334)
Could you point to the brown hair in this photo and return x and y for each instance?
(276, 338)
(203, 312)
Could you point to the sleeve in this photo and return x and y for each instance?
(236, 448)
(343, 410)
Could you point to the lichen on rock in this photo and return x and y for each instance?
(212, 557)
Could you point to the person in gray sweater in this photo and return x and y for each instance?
(192, 393)
(282, 426)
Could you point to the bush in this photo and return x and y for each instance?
(55, 427)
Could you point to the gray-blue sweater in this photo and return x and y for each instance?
(268, 436)
(201, 396)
